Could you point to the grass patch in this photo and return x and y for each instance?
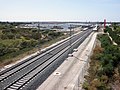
(15, 56)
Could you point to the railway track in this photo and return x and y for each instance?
(29, 74)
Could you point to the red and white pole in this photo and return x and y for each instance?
(104, 23)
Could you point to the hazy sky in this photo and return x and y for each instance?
(59, 10)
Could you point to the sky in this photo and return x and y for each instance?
(59, 10)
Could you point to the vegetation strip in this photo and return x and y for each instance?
(104, 71)
(19, 42)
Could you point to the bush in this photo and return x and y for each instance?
(85, 85)
(108, 70)
(2, 49)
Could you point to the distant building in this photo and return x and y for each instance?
(27, 26)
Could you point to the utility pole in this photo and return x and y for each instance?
(39, 37)
(70, 40)
(73, 30)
